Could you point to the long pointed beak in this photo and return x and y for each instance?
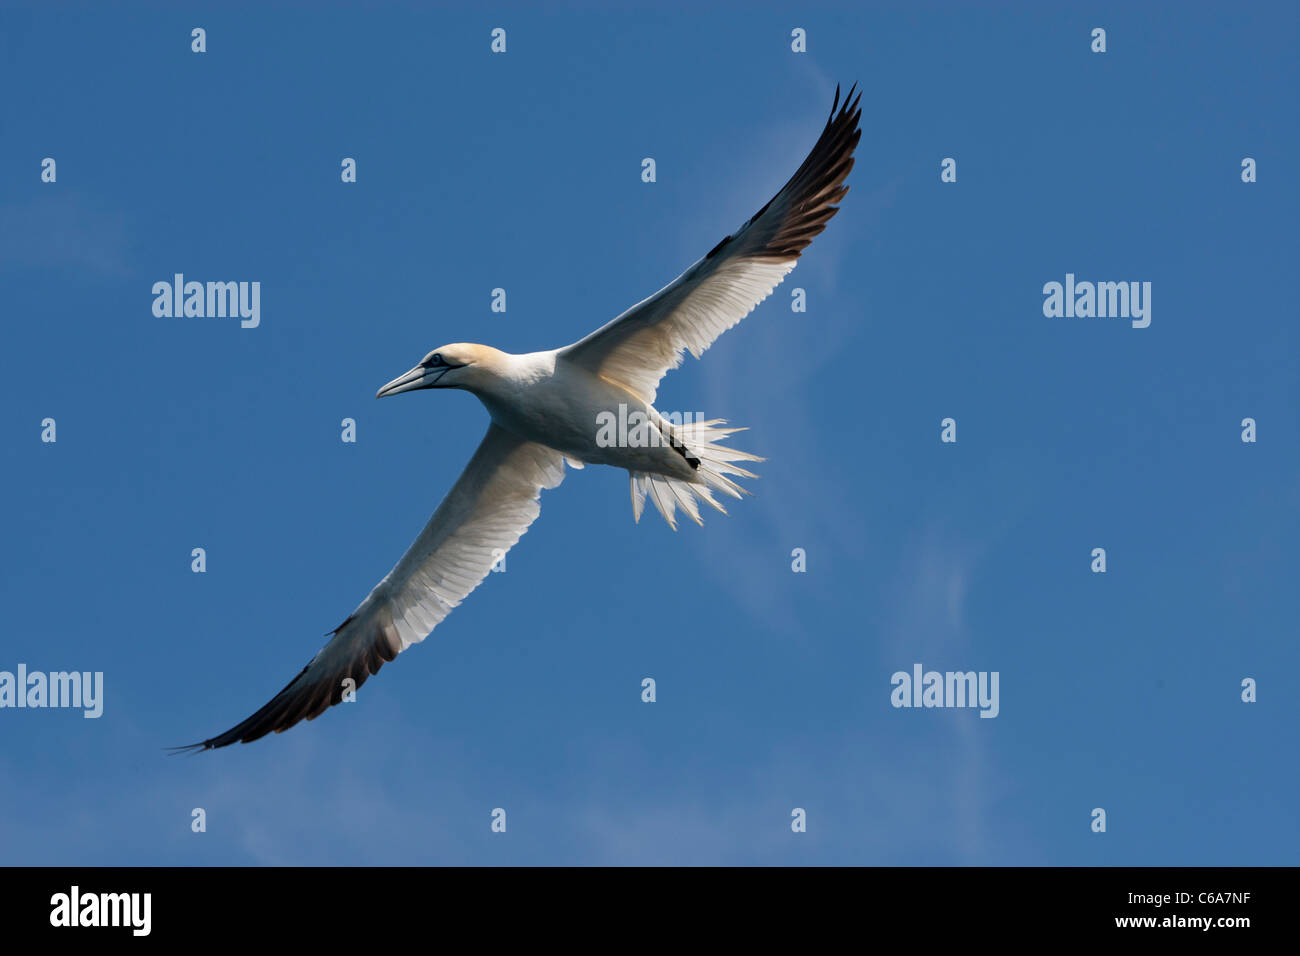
(418, 377)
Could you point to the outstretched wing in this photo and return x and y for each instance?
(643, 343)
(485, 513)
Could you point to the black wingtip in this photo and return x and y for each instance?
(842, 108)
(850, 102)
(188, 749)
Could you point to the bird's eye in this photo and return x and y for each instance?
(433, 360)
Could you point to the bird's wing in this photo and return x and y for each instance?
(638, 347)
(485, 513)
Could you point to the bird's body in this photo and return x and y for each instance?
(546, 398)
(591, 402)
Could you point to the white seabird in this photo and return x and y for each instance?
(545, 409)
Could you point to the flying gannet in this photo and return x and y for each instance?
(545, 407)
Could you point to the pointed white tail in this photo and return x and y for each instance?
(701, 441)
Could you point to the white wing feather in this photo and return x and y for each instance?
(641, 345)
(485, 513)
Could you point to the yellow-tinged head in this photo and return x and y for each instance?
(459, 365)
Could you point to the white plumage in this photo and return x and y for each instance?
(546, 408)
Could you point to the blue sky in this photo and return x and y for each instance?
(522, 171)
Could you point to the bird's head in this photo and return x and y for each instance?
(459, 365)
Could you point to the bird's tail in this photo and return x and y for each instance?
(712, 463)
